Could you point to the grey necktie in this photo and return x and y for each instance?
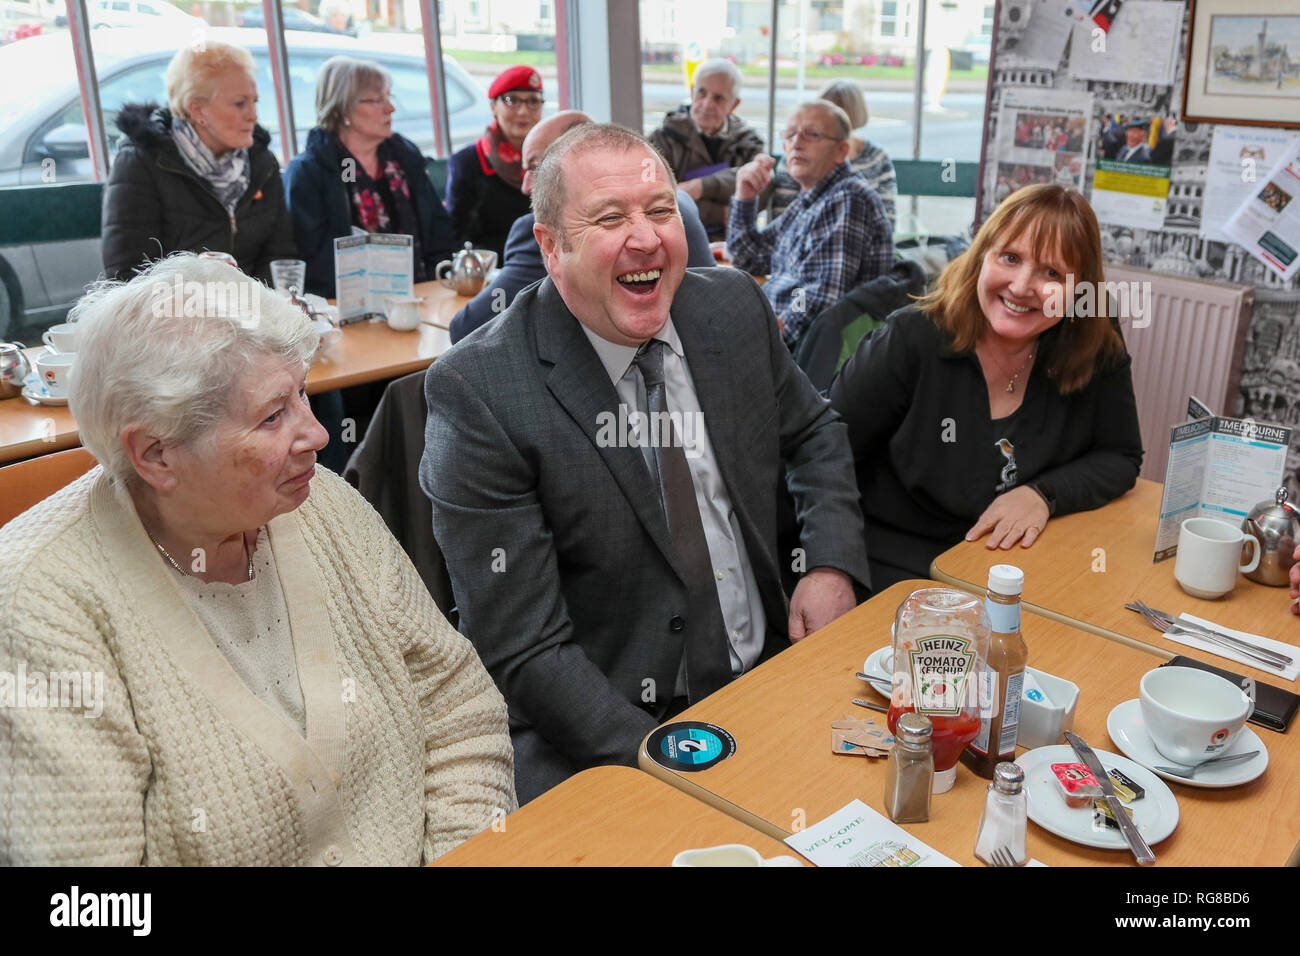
(708, 663)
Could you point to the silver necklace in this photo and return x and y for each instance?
(180, 570)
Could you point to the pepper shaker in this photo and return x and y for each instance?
(910, 771)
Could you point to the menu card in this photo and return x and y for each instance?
(368, 267)
(859, 836)
(1218, 468)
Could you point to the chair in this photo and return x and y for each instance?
(28, 482)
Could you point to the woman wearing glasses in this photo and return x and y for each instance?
(357, 172)
(484, 180)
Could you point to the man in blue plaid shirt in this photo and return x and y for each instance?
(833, 237)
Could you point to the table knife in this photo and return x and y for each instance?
(1127, 828)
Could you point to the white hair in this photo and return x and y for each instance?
(166, 349)
(719, 68)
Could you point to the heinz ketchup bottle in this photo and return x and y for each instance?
(941, 643)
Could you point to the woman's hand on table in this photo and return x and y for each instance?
(1016, 515)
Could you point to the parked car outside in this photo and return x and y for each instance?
(43, 136)
(133, 13)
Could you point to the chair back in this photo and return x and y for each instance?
(28, 482)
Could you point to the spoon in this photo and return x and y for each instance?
(1190, 771)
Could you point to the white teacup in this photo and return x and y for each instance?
(1209, 556)
(732, 854)
(1192, 715)
(327, 333)
(53, 369)
(61, 338)
(403, 313)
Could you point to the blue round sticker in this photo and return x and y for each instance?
(689, 745)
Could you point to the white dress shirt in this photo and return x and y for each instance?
(742, 611)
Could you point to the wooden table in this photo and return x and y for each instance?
(1086, 566)
(783, 775)
(607, 816)
(368, 352)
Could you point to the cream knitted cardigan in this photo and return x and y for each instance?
(407, 751)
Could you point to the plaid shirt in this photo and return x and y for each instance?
(830, 239)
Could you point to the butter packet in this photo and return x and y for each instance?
(860, 738)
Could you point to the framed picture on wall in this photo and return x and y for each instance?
(1243, 63)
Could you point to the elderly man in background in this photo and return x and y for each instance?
(522, 264)
(706, 141)
(832, 237)
(610, 574)
(273, 683)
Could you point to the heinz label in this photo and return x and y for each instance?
(940, 666)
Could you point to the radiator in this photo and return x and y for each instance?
(1190, 341)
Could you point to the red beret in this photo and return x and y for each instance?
(515, 78)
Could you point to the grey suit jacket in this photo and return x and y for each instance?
(560, 557)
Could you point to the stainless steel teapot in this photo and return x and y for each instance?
(14, 369)
(467, 271)
(1276, 526)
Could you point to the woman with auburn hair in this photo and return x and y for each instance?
(1000, 399)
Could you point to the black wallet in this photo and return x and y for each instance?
(1274, 706)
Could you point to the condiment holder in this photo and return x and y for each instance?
(1047, 705)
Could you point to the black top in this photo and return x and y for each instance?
(155, 204)
(481, 204)
(929, 459)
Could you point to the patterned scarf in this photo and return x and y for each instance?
(386, 205)
(227, 177)
(497, 155)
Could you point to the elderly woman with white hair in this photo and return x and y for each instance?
(357, 172)
(197, 175)
(276, 686)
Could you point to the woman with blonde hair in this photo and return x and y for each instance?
(1000, 399)
(197, 175)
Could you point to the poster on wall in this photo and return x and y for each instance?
(1130, 186)
(1240, 158)
(1042, 138)
(1268, 222)
(1141, 47)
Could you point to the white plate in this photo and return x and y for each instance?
(1156, 814)
(1124, 724)
(879, 667)
(34, 394)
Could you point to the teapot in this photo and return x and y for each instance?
(467, 271)
(14, 369)
(1276, 526)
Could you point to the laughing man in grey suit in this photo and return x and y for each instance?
(608, 573)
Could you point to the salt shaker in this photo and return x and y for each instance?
(910, 771)
(1002, 825)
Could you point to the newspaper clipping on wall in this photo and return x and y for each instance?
(1043, 137)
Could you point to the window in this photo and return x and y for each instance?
(888, 18)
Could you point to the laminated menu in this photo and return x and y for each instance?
(368, 268)
(1218, 468)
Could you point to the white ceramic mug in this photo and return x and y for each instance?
(53, 369)
(403, 313)
(61, 338)
(732, 854)
(1209, 556)
(1191, 715)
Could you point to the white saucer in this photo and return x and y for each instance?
(879, 676)
(33, 394)
(1124, 724)
(1156, 814)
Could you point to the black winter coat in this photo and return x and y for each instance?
(155, 204)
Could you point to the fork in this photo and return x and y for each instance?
(1189, 770)
(1164, 623)
(1002, 856)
